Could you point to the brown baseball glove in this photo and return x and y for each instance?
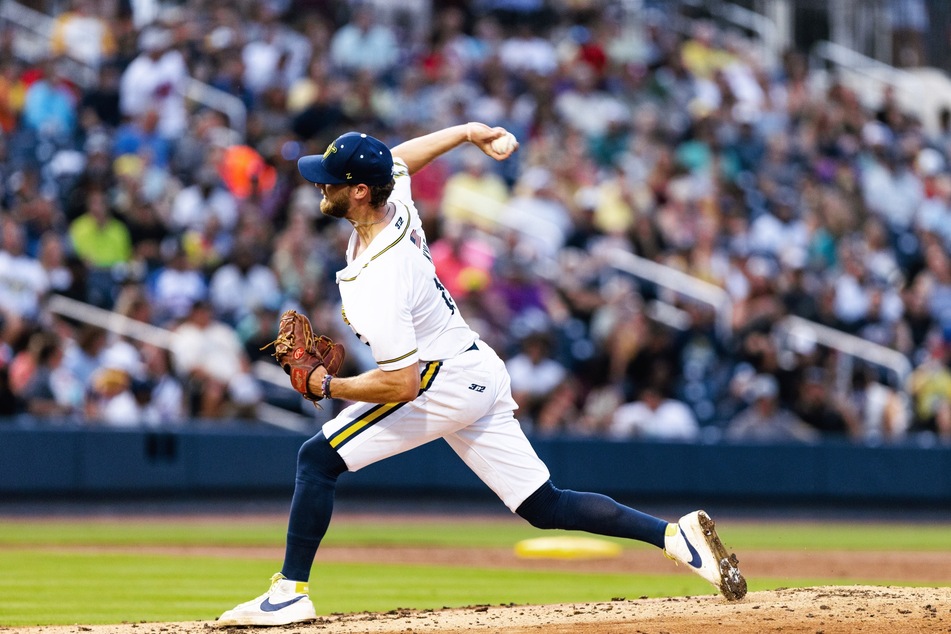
(299, 352)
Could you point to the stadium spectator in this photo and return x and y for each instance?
(242, 285)
(779, 228)
(930, 388)
(936, 280)
(324, 113)
(365, 101)
(210, 360)
(97, 236)
(111, 401)
(156, 80)
(586, 108)
(166, 394)
(934, 214)
(475, 194)
(82, 352)
(139, 135)
(82, 34)
(514, 110)
(411, 100)
(536, 376)
(364, 44)
(99, 106)
(890, 188)
(176, 286)
(654, 416)
(765, 419)
(885, 412)
(527, 53)
(205, 201)
(537, 203)
(102, 242)
(47, 391)
(453, 45)
(303, 91)
(761, 302)
(52, 257)
(822, 407)
(297, 260)
(522, 295)
(908, 21)
(229, 77)
(124, 353)
(12, 90)
(23, 280)
(702, 55)
(50, 103)
(275, 55)
(463, 260)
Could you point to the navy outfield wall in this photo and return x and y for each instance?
(40, 462)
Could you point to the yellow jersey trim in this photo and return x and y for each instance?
(378, 412)
(399, 358)
(372, 416)
(381, 252)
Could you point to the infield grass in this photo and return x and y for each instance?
(88, 571)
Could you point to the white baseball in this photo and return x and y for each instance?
(504, 144)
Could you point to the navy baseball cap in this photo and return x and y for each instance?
(352, 158)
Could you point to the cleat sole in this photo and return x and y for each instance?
(732, 584)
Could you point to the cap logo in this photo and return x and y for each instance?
(349, 176)
(331, 149)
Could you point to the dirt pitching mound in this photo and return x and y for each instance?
(828, 609)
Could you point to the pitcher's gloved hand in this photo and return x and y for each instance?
(299, 352)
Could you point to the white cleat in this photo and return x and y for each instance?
(285, 602)
(693, 541)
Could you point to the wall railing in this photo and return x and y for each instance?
(141, 331)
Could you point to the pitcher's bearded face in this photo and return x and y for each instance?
(336, 200)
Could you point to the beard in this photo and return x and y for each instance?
(337, 207)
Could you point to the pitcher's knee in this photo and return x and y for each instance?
(317, 460)
(540, 509)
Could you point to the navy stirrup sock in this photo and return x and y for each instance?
(550, 507)
(318, 466)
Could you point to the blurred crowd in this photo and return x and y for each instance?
(686, 147)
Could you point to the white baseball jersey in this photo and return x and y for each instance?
(394, 301)
(392, 297)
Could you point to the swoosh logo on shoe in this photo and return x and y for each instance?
(267, 606)
(695, 560)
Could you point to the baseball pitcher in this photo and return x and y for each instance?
(435, 378)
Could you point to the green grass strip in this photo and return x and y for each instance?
(42, 588)
(65, 588)
(474, 533)
(42, 584)
(835, 536)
